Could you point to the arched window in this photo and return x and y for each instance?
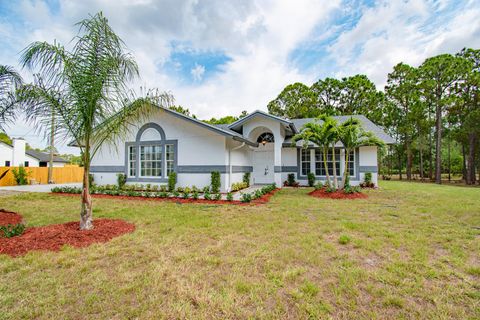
(265, 137)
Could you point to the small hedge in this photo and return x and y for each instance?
(246, 179)
(311, 179)
(12, 230)
(239, 186)
(172, 181)
(215, 182)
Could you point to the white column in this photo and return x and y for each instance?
(278, 156)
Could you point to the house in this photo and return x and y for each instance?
(16, 155)
(258, 143)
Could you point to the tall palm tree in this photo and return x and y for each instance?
(352, 135)
(10, 80)
(86, 90)
(323, 135)
(332, 136)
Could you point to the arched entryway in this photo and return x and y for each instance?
(264, 157)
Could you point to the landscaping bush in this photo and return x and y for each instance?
(318, 185)
(351, 189)
(195, 194)
(206, 189)
(12, 230)
(186, 195)
(229, 196)
(217, 196)
(20, 175)
(329, 188)
(239, 186)
(257, 194)
(246, 197)
(207, 196)
(311, 179)
(367, 183)
(291, 179)
(77, 190)
(121, 180)
(176, 194)
(215, 181)
(172, 181)
(246, 179)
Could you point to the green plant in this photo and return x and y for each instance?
(246, 197)
(172, 181)
(20, 175)
(215, 181)
(12, 230)
(318, 185)
(344, 239)
(329, 188)
(175, 193)
(291, 179)
(195, 194)
(367, 181)
(239, 186)
(91, 180)
(207, 196)
(186, 195)
(229, 196)
(206, 189)
(246, 179)
(180, 189)
(121, 180)
(311, 179)
(217, 196)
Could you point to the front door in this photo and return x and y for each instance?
(263, 164)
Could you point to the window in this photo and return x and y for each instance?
(26, 163)
(320, 167)
(170, 156)
(132, 160)
(305, 160)
(7, 163)
(265, 137)
(351, 163)
(151, 161)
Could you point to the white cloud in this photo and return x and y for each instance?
(197, 72)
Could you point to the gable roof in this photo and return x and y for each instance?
(241, 121)
(40, 156)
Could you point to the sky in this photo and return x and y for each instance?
(219, 57)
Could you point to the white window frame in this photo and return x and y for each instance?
(132, 163)
(352, 163)
(160, 161)
(168, 161)
(330, 159)
(309, 167)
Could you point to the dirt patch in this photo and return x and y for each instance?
(7, 217)
(321, 193)
(262, 200)
(53, 237)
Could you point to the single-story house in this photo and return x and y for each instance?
(16, 155)
(258, 143)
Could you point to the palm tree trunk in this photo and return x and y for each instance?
(325, 149)
(335, 180)
(86, 210)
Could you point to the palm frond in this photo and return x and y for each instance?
(10, 80)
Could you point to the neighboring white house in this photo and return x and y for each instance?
(16, 155)
(258, 143)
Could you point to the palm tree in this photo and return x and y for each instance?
(10, 80)
(352, 135)
(85, 89)
(322, 134)
(332, 132)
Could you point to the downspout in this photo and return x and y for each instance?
(230, 164)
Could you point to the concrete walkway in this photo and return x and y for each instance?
(237, 195)
(38, 187)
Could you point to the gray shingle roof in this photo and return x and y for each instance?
(44, 157)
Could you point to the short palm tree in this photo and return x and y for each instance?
(352, 135)
(86, 90)
(323, 134)
(10, 80)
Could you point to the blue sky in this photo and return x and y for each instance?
(221, 57)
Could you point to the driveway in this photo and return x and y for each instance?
(38, 187)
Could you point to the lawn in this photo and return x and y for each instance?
(410, 250)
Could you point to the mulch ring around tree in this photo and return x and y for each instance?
(321, 193)
(54, 237)
(7, 217)
(262, 200)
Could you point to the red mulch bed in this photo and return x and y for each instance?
(7, 217)
(264, 199)
(53, 237)
(321, 193)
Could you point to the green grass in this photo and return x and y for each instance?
(412, 251)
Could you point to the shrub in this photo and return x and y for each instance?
(246, 197)
(207, 196)
(215, 181)
(195, 194)
(180, 189)
(12, 230)
(172, 181)
(91, 180)
(77, 190)
(318, 185)
(229, 196)
(351, 189)
(217, 196)
(121, 180)
(163, 188)
(329, 188)
(163, 194)
(258, 194)
(246, 179)
(367, 183)
(206, 189)
(186, 195)
(176, 194)
(239, 186)
(291, 179)
(20, 175)
(311, 179)
(344, 239)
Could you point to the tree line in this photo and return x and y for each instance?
(433, 112)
